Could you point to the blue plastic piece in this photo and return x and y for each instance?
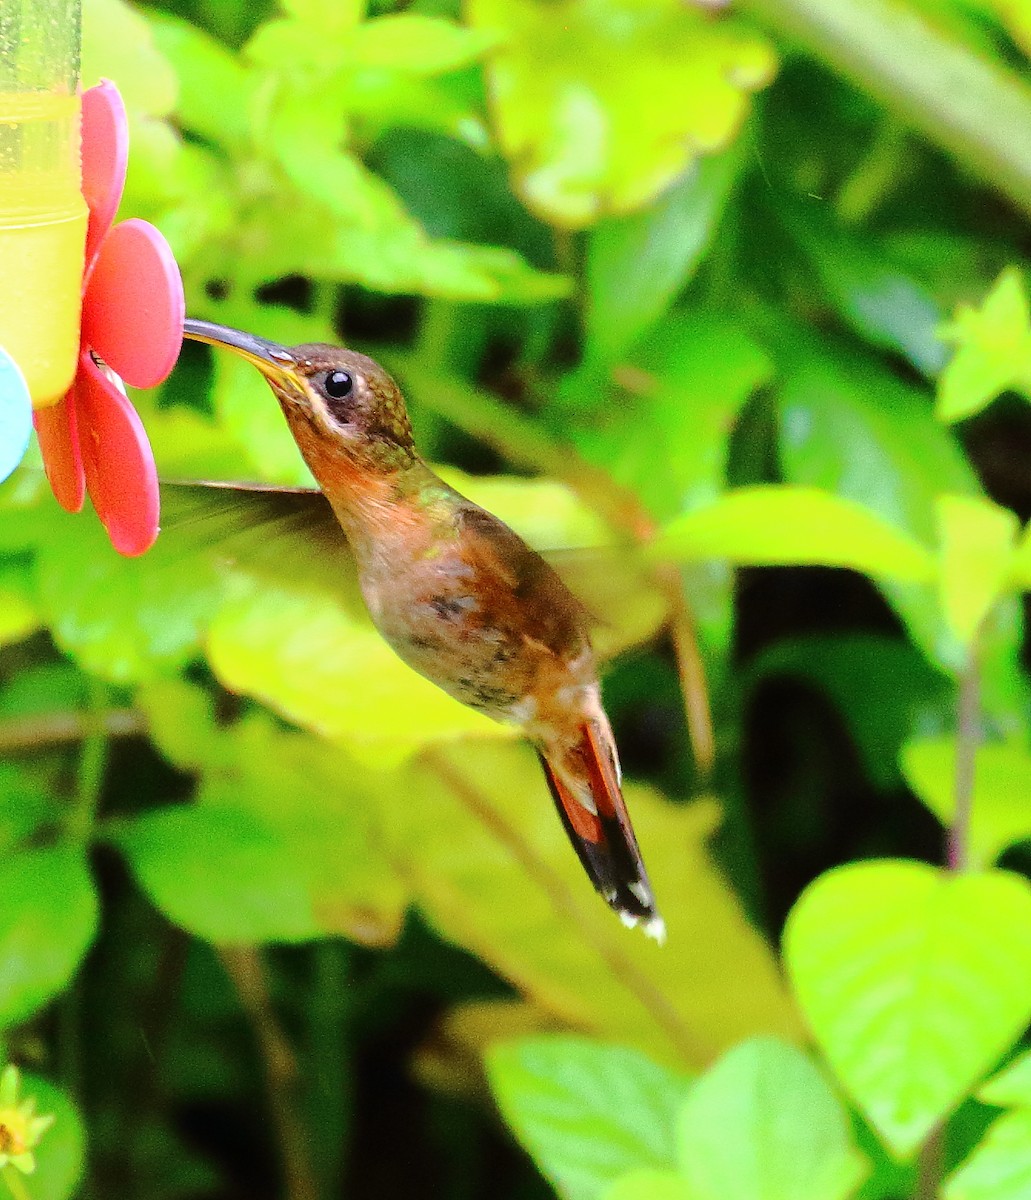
(15, 415)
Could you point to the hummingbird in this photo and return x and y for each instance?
(458, 595)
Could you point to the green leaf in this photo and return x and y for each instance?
(490, 866)
(764, 1122)
(19, 614)
(637, 264)
(993, 350)
(281, 844)
(881, 300)
(852, 428)
(420, 44)
(48, 918)
(770, 525)
(61, 1153)
(977, 549)
(601, 104)
(366, 235)
(648, 1185)
(587, 1112)
(914, 982)
(215, 89)
(690, 378)
(1011, 1088)
(999, 1168)
(117, 44)
(124, 619)
(1001, 812)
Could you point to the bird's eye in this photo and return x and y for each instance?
(339, 385)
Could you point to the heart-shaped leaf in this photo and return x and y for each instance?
(914, 982)
(587, 1112)
(764, 1122)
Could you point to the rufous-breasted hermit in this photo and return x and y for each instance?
(459, 595)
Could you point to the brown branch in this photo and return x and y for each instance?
(244, 967)
(63, 728)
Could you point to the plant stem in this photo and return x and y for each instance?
(92, 764)
(967, 739)
(971, 106)
(61, 728)
(244, 967)
(968, 736)
(931, 1166)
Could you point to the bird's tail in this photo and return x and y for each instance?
(585, 785)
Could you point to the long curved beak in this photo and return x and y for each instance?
(273, 361)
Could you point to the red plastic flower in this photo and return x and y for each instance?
(132, 319)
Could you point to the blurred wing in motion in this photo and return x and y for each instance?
(291, 533)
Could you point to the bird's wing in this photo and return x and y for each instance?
(292, 532)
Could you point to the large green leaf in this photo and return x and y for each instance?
(281, 844)
(125, 619)
(690, 378)
(764, 1122)
(637, 264)
(48, 918)
(771, 525)
(881, 300)
(600, 104)
(587, 1112)
(1001, 813)
(850, 427)
(914, 982)
(490, 866)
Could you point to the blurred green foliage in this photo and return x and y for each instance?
(677, 292)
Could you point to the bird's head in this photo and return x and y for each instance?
(342, 407)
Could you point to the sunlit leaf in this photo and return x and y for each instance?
(781, 525)
(48, 918)
(648, 1184)
(490, 867)
(993, 350)
(587, 1112)
(1001, 813)
(117, 44)
(601, 104)
(280, 845)
(977, 544)
(416, 43)
(215, 88)
(19, 614)
(914, 982)
(123, 619)
(764, 1122)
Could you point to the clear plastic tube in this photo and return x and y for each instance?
(42, 213)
